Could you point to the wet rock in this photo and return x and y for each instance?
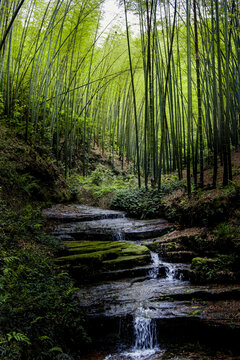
(72, 213)
(138, 272)
(64, 237)
(182, 245)
(162, 298)
(204, 293)
(117, 229)
(184, 256)
(182, 274)
(172, 251)
(210, 326)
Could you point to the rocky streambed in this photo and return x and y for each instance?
(138, 299)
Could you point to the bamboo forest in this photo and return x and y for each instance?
(119, 179)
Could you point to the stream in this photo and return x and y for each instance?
(146, 344)
(139, 298)
(136, 313)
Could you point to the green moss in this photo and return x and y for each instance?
(93, 246)
(123, 262)
(86, 247)
(95, 256)
(91, 256)
(136, 250)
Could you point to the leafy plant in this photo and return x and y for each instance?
(38, 306)
(223, 268)
(143, 204)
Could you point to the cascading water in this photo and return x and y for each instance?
(118, 236)
(153, 273)
(145, 333)
(145, 339)
(170, 271)
(123, 299)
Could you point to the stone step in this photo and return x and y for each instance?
(87, 260)
(114, 229)
(170, 330)
(73, 213)
(184, 256)
(214, 293)
(138, 273)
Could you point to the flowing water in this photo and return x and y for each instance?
(145, 333)
(170, 270)
(145, 338)
(145, 345)
(153, 273)
(140, 306)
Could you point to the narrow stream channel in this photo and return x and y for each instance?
(136, 311)
(146, 345)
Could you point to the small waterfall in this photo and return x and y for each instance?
(145, 333)
(118, 236)
(181, 277)
(153, 273)
(170, 271)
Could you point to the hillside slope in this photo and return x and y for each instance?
(37, 303)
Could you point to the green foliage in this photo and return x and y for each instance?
(39, 312)
(100, 183)
(227, 237)
(27, 171)
(101, 174)
(206, 208)
(223, 268)
(144, 204)
(26, 226)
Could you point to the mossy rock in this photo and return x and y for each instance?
(123, 262)
(221, 269)
(85, 259)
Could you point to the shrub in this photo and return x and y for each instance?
(223, 268)
(143, 204)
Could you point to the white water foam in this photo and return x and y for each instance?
(145, 333)
(170, 271)
(153, 273)
(170, 268)
(118, 236)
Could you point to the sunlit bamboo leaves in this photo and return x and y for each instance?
(162, 102)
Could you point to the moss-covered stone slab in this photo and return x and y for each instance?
(86, 259)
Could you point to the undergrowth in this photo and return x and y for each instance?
(123, 191)
(224, 268)
(100, 183)
(143, 204)
(39, 311)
